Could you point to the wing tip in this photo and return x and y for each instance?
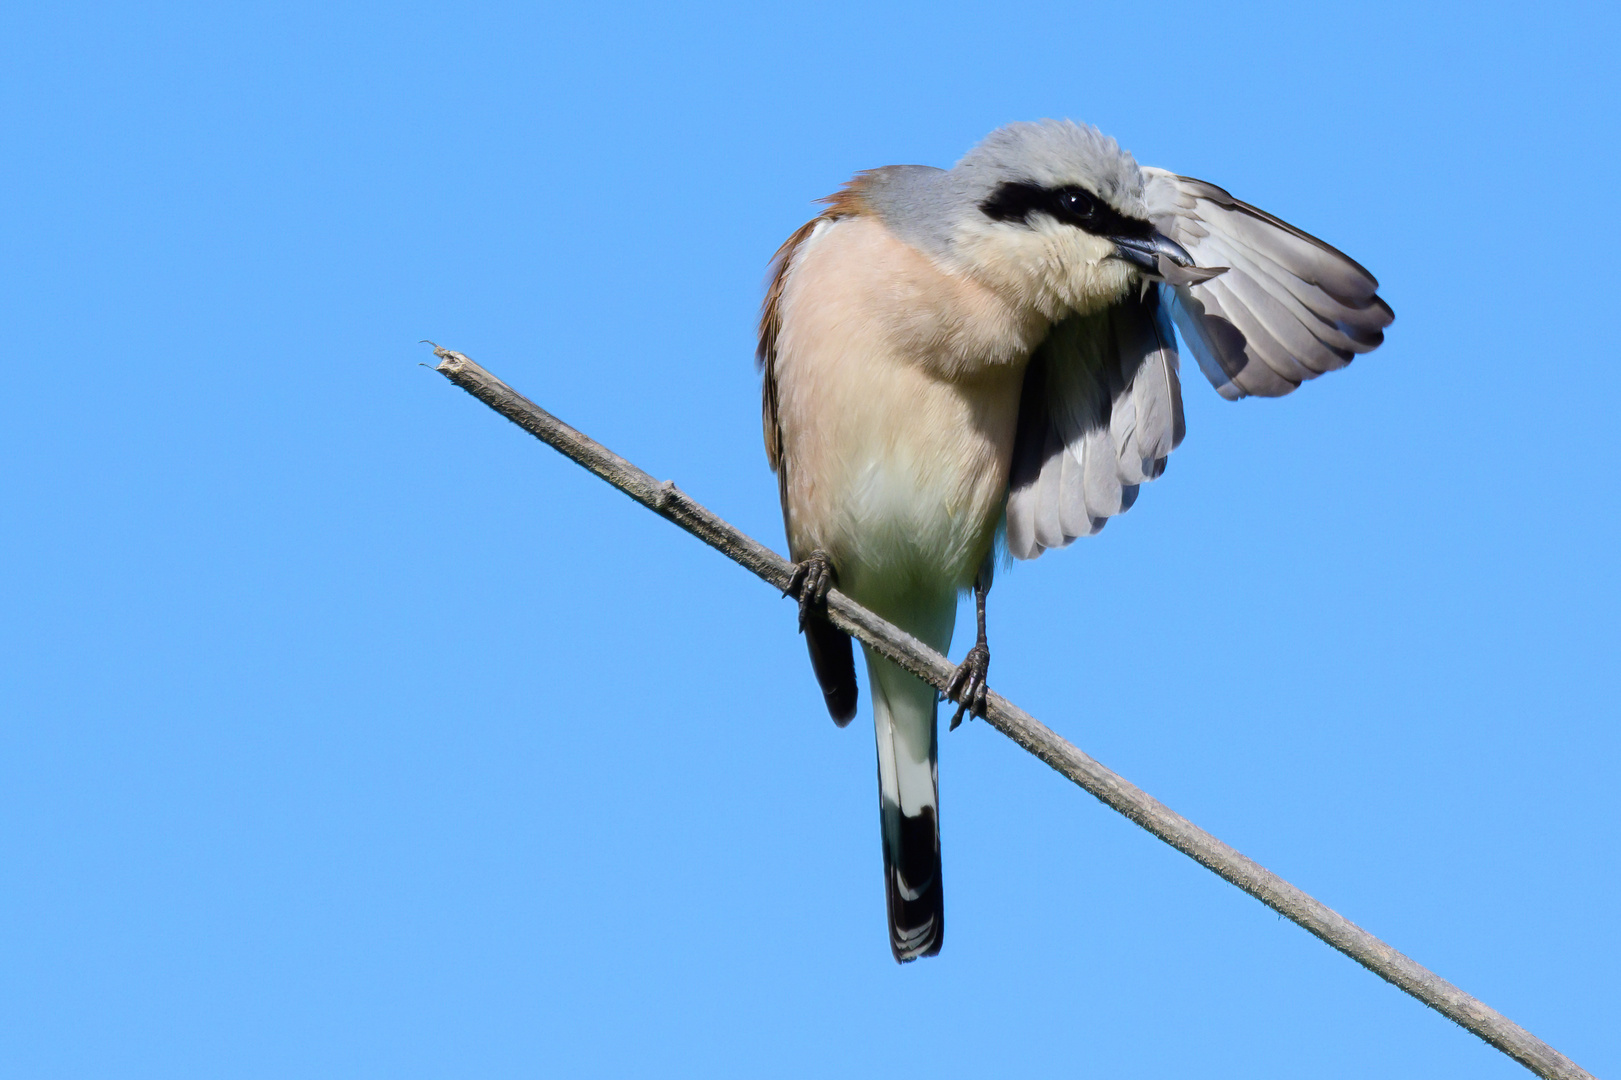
(833, 662)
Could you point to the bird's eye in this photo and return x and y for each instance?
(1078, 204)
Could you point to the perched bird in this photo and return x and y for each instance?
(952, 352)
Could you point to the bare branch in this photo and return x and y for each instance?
(1113, 790)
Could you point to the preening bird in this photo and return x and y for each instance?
(948, 353)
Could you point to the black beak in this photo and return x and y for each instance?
(1160, 258)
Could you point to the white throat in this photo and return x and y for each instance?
(1045, 266)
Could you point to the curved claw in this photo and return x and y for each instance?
(968, 687)
(809, 584)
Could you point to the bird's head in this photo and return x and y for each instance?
(1051, 214)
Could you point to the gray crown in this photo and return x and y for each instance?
(923, 205)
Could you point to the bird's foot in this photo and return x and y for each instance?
(809, 584)
(967, 686)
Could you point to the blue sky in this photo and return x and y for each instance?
(345, 731)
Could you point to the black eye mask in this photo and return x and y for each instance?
(1071, 205)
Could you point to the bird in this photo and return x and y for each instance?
(957, 361)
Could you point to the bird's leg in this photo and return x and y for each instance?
(967, 686)
(809, 584)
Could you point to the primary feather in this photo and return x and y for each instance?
(1289, 307)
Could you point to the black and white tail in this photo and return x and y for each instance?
(909, 808)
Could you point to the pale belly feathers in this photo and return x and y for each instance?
(898, 394)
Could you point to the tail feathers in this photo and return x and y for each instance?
(908, 807)
(834, 663)
(917, 915)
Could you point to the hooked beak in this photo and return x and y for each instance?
(1160, 258)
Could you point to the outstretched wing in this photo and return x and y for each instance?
(1100, 411)
(1101, 407)
(1289, 307)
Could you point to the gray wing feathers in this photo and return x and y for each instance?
(1289, 307)
(1148, 422)
(1048, 510)
(1101, 409)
